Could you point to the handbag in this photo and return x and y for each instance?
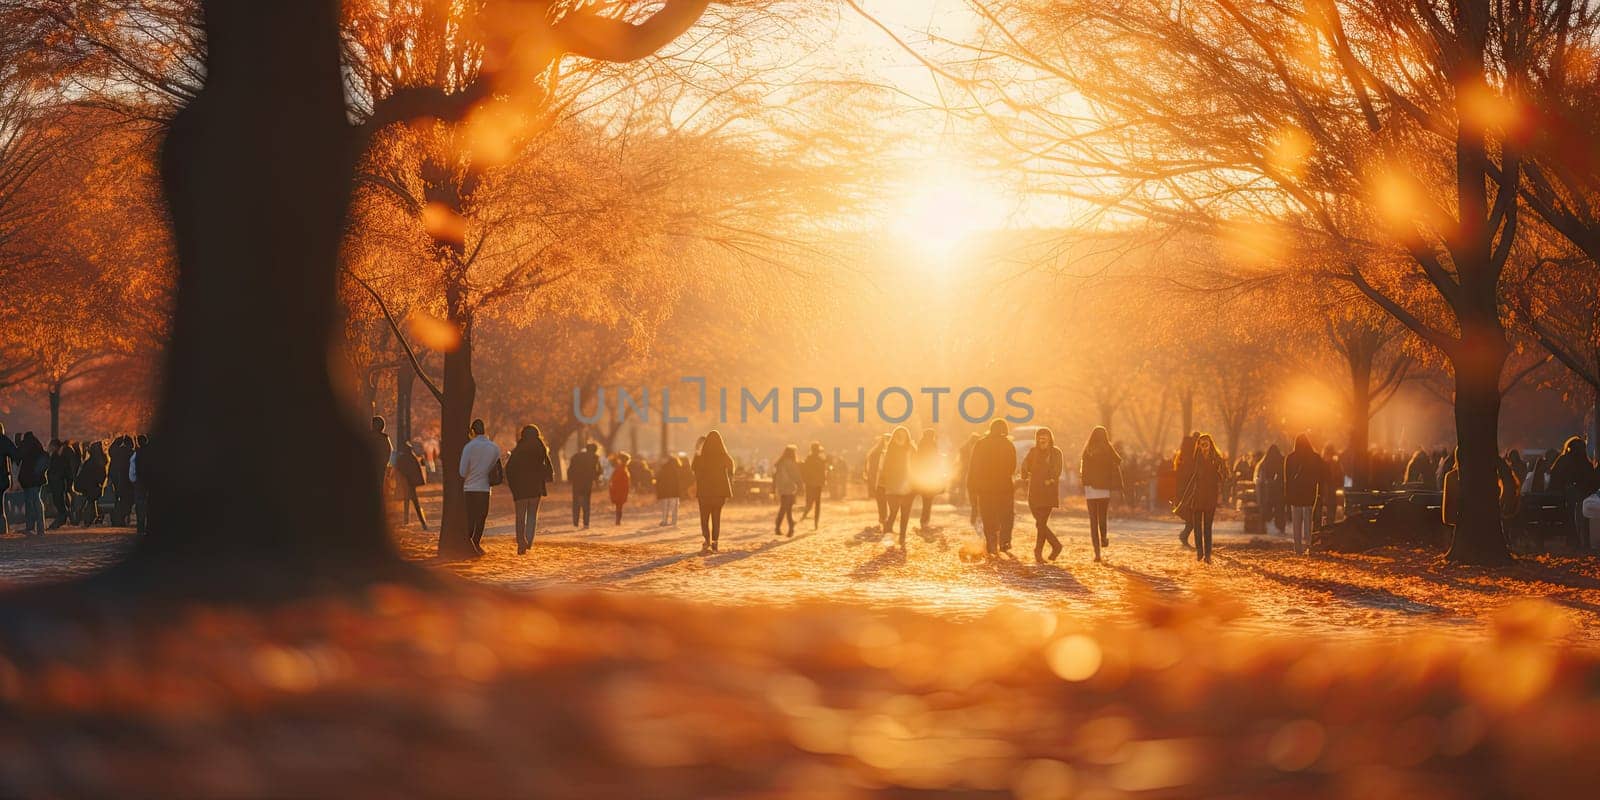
(1184, 507)
(497, 473)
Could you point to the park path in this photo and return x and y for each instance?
(1254, 582)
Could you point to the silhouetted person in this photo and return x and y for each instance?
(583, 470)
(927, 473)
(621, 482)
(964, 477)
(1538, 478)
(59, 476)
(1183, 469)
(91, 484)
(1269, 489)
(787, 481)
(528, 470)
(1202, 492)
(1101, 469)
(10, 457)
(480, 459)
(1041, 468)
(120, 453)
(870, 472)
(1573, 475)
(409, 477)
(894, 481)
(32, 463)
(713, 477)
(668, 488)
(141, 493)
(814, 474)
(382, 449)
(1420, 470)
(1332, 481)
(994, 461)
(1303, 474)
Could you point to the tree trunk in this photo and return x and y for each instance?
(1360, 411)
(1479, 537)
(404, 381)
(455, 417)
(55, 412)
(257, 173)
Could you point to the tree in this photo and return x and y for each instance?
(1326, 123)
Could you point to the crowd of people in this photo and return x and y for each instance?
(76, 477)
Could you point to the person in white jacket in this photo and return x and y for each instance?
(478, 460)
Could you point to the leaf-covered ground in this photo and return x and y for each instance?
(824, 666)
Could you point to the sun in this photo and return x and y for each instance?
(941, 209)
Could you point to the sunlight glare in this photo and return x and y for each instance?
(942, 209)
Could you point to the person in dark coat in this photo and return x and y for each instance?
(1573, 475)
(894, 480)
(621, 482)
(928, 477)
(1269, 489)
(814, 472)
(1421, 470)
(32, 465)
(528, 470)
(668, 490)
(1101, 469)
(640, 477)
(409, 477)
(994, 462)
(965, 473)
(1183, 469)
(787, 481)
(120, 452)
(1041, 468)
(713, 477)
(870, 472)
(59, 476)
(1332, 481)
(91, 484)
(1201, 494)
(9, 458)
(1303, 474)
(582, 471)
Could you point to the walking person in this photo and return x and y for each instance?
(1327, 511)
(582, 471)
(667, 490)
(9, 462)
(994, 461)
(963, 475)
(874, 463)
(1101, 468)
(480, 470)
(1183, 470)
(409, 477)
(1573, 475)
(528, 470)
(1303, 474)
(894, 481)
(927, 474)
(1201, 494)
(91, 484)
(1269, 489)
(621, 483)
(141, 493)
(1041, 468)
(120, 452)
(59, 476)
(713, 478)
(814, 473)
(787, 480)
(32, 463)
